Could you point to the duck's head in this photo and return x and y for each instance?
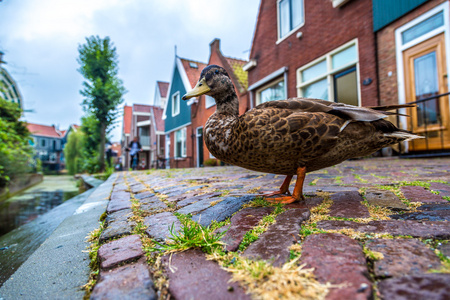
(214, 81)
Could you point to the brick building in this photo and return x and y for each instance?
(318, 49)
(205, 106)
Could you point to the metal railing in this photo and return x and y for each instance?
(426, 122)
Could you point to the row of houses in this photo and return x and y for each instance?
(359, 52)
(49, 141)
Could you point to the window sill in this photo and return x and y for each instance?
(289, 33)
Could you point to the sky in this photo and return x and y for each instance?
(40, 41)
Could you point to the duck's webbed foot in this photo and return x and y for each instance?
(283, 196)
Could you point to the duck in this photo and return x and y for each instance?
(290, 137)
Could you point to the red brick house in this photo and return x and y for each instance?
(205, 106)
(319, 49)
(413, 39)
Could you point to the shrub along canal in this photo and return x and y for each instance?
(27, 219)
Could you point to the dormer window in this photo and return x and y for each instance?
(290, 17)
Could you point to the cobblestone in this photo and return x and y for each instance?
(338, 259)
(273, 245)
(219, 193)
(402, 257)
(191, 276)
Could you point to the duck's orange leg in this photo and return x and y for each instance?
(297, 195)
(284, 189)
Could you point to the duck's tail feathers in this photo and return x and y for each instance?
(404, 135)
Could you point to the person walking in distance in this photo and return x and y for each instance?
(134, 147)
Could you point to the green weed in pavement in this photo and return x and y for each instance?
(191, 235)
(253, 234)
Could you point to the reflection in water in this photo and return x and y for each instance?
(13, 214)
(28, 219)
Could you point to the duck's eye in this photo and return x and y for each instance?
(200, 84)
(217, 72)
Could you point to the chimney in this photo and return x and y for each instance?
(215, 45)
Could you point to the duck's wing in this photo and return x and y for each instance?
(286, 131)
(345, 111)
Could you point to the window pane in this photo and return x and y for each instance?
(297, 12)
(344, 57)
(423, 27)
(346, 87)
(275, 92)
(317, 90)
(284, 17)
(176, 104)
(315, 71)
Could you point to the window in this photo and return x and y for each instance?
(180, 143)
(332, 77)
(290, 16)
(175, 104)
(423, 27)
(272, 92)
(209, 101)
(42, 142)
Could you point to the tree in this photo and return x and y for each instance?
(73, 152)
(102, 90)
(15, 150)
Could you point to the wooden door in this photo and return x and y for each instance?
(425, 77)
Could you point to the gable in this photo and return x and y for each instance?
(184, 117)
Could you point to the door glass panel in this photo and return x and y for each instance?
(346, 90)
(317, 90)
(426, 85)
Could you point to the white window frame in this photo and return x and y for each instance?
(282, 38)
(176, 108)
(330, 71)
(183, 143)
(209, 101)
(265, 87)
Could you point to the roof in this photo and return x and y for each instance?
(127, 114)
(43, 130)
(159, 122)
(241, 75)
(141, 108)
(193, 73)
(163, 88)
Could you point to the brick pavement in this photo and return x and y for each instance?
(368, 227)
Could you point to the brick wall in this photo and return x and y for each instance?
(325, 29)
(387, 61)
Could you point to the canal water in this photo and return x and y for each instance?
(28, 219)
(35, 201)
